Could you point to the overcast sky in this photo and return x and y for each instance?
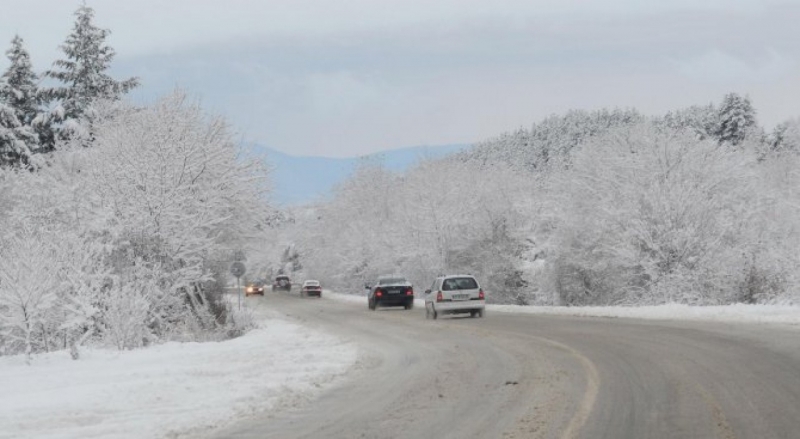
(349, 77)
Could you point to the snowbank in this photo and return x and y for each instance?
(738, 313)
(730, 313)
(167, 390)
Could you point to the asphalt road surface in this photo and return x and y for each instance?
(523, 376)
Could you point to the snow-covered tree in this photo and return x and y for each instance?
(550, 142)
(703, 120)
(19, 108)
(129, 232)
(440, 216)
(737, 118)
(18, 85)
(29, 286)
(786, 137)
(180, 193)
(84, 75)
(15, 140)
(647, 216)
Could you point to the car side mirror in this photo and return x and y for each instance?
(427, 291)
(366, 286)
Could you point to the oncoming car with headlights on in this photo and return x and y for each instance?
(254, 288)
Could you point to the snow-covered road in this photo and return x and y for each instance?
(303, 347)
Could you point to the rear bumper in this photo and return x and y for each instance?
(395, 300)
(458, 306)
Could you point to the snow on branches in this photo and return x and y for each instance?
(118, 244)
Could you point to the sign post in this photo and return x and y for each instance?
(238, 269)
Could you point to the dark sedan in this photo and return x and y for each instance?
(390, 291)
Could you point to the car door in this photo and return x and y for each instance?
(437, 285)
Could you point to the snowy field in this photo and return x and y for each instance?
(730, 313)
(171, 390)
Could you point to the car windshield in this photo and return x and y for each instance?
(459, 283)
(392, 281)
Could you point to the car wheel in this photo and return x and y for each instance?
(480, 313)
(371, 305)
(473, 314)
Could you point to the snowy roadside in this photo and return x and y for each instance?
(740, 313)
(170, 390)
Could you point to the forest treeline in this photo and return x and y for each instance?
(609, 207)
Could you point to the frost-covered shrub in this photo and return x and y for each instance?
(652, 216)
(123, 240)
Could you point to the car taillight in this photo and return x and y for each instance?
(378, 293)
(481, 296)
(439, 297)
(409, 292)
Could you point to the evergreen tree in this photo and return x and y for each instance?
(84, 72)
(15, 140)
(18, 88)
(19, 107)
(736, 117)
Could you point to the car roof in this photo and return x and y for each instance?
(453, 276)
(396, 278)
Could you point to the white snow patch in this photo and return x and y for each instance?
(175, 389)
(738, 313)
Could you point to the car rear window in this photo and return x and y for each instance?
(312, 284)
(392, 280)
(460, 283)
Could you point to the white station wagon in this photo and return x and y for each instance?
(455, 294)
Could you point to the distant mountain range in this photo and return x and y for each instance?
(300, 180)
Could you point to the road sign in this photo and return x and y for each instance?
(237, 269)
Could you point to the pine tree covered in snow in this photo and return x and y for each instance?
(19, 107)
(736, 117)
(18, 88)
(84, 74)
(15, 139)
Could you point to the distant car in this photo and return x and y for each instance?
(311, 288)
(253, 288)
(455, 294)
(282, 282)
(390, 291)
